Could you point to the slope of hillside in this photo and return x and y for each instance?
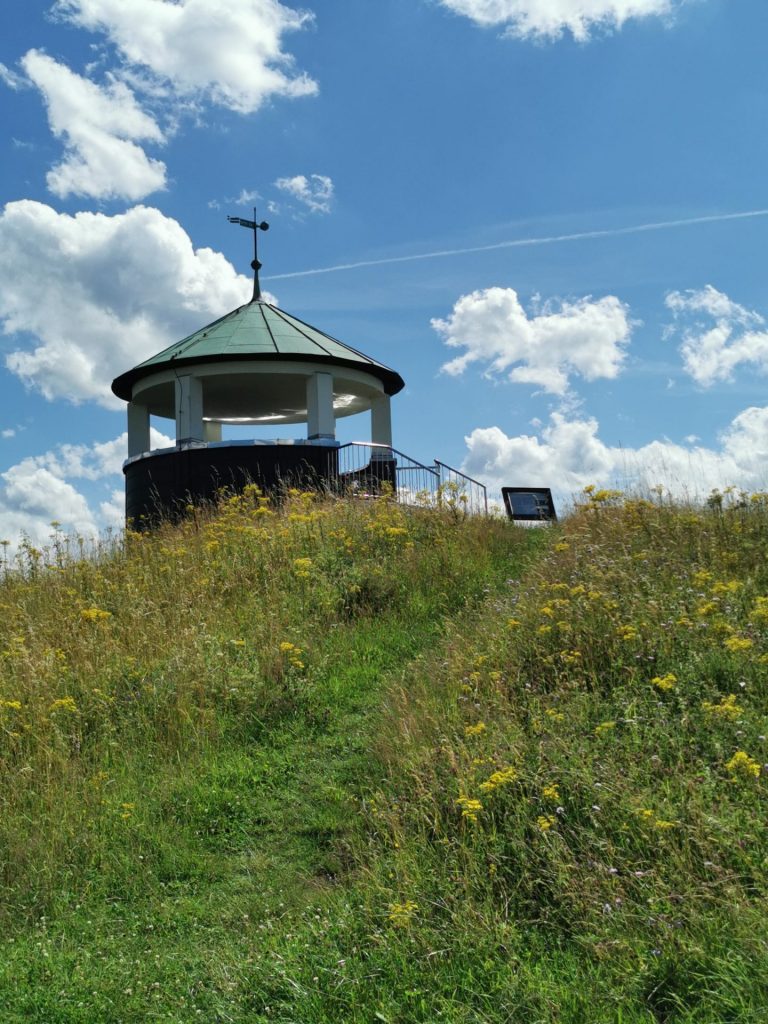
(343, 762)
(187, 724)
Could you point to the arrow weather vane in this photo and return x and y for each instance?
(255, 227)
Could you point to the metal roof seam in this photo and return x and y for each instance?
(330, 337)
(266, 323)
(284, 317)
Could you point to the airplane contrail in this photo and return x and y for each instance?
(516, 243)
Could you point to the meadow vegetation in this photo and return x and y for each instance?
(340, 761)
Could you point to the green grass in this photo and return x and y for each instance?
(342, 762)
(198, 787)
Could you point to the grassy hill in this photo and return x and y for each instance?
(344, 762)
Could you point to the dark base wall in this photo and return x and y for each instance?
(162, 485)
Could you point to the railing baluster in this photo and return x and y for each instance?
(366, 467)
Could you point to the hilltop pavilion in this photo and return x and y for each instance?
(255, 365)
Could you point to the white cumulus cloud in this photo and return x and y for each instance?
(231, 53)
(718, 335)
(89, 296)
(315, 192)
(100, 126)
(247, 197)
(586, 337)
(568, 454)
(39, 490)
(32, 497)
(548, 19)
(12, 79)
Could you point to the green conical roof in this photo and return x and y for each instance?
(257, 331)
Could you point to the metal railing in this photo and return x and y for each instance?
(466, 486)
(370, 470)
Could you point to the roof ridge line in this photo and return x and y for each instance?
(283, 315)
(266, 324)
(336, 341)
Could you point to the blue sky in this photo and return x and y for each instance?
(371, 133)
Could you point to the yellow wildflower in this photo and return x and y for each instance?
(551, 793)
(731, 587)
(666, 682)
(302, 567)
(662, 825)
(500, 778)
(604, 495)
(544, 630)
(738, 643)
(546, 821)
(513, 623)
(401, 914)
(475, 730)
(95, 614)
(744, 766)
(64, 704)
(727, 708)
(627, 632)
(293, 653)
(469, 807)
(396, 531)
(557, 716)
(708, 608)
(562, 546)
(12, 705)
(604, 727)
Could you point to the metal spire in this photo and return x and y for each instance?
(255, 227)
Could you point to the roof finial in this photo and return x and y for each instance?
(255, 227)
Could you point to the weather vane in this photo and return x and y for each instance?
(255, 226)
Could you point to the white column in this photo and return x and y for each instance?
(381, 421)
(211, 431)
(321, 421)
(138, 429)
(189, 409)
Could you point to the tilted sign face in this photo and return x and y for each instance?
(529, 503)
